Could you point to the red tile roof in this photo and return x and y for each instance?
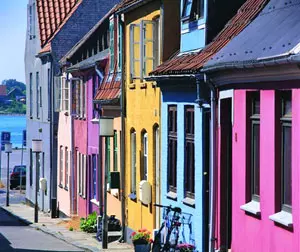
(110, 88)
(52, 15)
(3, 90)
(192, 62)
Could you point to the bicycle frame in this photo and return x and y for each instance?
(166, 230)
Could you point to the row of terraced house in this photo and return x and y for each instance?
(203, 96)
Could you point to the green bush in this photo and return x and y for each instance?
(89, 224)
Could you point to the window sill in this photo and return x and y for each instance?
(284, 218)
(95, 202)
(131, 86)
(189, 202)
(132, 196)
(143, 85)
(172, 195)
(252, 207)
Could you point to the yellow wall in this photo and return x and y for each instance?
(143, 113)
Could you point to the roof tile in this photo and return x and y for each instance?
(52, 15)
(192, 62)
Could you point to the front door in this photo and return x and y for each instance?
(225, 173)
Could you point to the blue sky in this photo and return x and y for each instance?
(13, 22)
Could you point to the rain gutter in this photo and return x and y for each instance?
(173, 76)
(132, 6)
(286, 58)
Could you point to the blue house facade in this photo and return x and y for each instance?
(185, 118)
(183, 162)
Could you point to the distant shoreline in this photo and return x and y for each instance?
(8, 114)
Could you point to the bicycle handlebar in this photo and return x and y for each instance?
(175, 209)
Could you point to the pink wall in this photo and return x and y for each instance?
(250, 233)
(64, 139)
(80, 143)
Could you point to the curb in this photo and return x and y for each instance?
(49, 232)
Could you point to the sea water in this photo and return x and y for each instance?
(15, 124)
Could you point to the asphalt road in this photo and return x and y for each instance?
(18, 237)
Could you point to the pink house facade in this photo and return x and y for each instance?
(65, 191)
(257, 82)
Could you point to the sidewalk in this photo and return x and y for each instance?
(50, 226)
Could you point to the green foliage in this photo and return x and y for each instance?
(14, 107)
(12, 83)
(71, 228)
(89, 224)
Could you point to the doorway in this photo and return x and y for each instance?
(225, 174)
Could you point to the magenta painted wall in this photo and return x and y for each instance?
(92, 144)
(80, 144)
(250, 233)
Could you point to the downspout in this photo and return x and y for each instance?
(123, 115)
(72, 149)
(213, 167)
(53, 202)
(100, 177)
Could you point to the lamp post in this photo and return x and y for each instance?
(8, 150)
(37, 146)
(106, 129)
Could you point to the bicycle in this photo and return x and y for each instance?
(167, 237)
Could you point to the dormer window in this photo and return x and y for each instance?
(192, 10)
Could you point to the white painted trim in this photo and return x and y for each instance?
(94, 201)
(252, 207)
(199, 27)
(225, 95)
(283, 218)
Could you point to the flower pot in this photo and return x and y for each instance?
(142, 247)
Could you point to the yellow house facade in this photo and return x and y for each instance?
(142, 55)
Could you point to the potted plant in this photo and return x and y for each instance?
(141, 240)
(185, 247)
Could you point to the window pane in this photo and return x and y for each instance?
(172, 164)
(94, 166)
(133, 162)
(287, 166)
(187, 8)
(255, 159)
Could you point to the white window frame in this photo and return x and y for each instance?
(66, 162)
(132, 46)
(145, 155)
(65, 94)
(111, 44)
(133, 160)
(143, 43)
(61, 164)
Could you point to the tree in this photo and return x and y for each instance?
(13, 83)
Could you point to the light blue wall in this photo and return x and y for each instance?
(181, 99)
(193, 34)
